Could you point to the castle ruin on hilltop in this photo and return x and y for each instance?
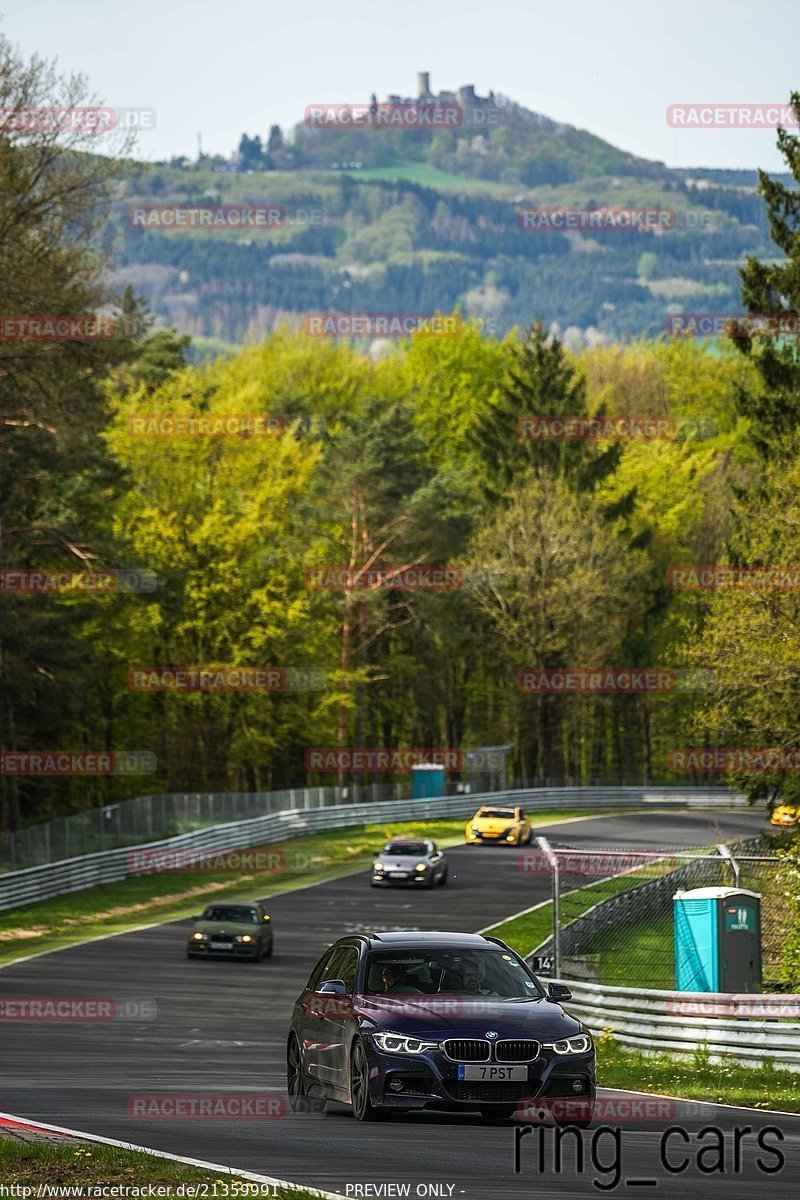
(465, 96)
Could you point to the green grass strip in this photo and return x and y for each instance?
(92, 1164)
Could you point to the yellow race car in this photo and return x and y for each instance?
(500, 827)
(785, 814)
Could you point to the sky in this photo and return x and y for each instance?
(223, 67)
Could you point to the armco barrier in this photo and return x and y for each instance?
(109, 866)
(660, 1022)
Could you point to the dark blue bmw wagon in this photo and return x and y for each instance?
(391, 1022)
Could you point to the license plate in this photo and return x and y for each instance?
(490, 1073)
(219, 946)
(399, 874)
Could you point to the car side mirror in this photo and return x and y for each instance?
(558, 991)
(333, 987)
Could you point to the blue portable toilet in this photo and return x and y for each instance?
(717, 940)
(427, 780)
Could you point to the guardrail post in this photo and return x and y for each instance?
(552, 859)
(726, 854)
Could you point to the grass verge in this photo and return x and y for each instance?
(90, 1164)
(164, 896)
(528, 930)
(696, 1078)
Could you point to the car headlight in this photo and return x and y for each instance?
(579, 1044)
(399, 1043)
(244, 937)
(421, 867)
(378, 867)
(474, 828)
(198, 937)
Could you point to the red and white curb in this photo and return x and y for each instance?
(9, 1121)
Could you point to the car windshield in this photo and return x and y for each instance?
(239, 916)
(487, 973)
(395, 849)
(505, 813)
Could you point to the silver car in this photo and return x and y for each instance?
(404, 861)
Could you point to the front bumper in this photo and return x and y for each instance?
(379, 878)
(237, 950)
(430, 1080)
(492, 839)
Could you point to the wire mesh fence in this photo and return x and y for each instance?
(152, 818)
(613, 909)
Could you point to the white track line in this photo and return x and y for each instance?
(192, 1162)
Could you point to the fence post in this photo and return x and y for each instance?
(552, 859)
(726, 854)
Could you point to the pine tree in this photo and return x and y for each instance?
(774, 288)
(539, 381)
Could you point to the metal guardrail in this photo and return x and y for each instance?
(162, 815)
(109, 866)
(656, 1022)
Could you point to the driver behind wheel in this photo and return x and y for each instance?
(471, 979)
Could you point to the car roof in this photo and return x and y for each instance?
(427, 940)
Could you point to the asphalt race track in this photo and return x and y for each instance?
(221, 1028)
